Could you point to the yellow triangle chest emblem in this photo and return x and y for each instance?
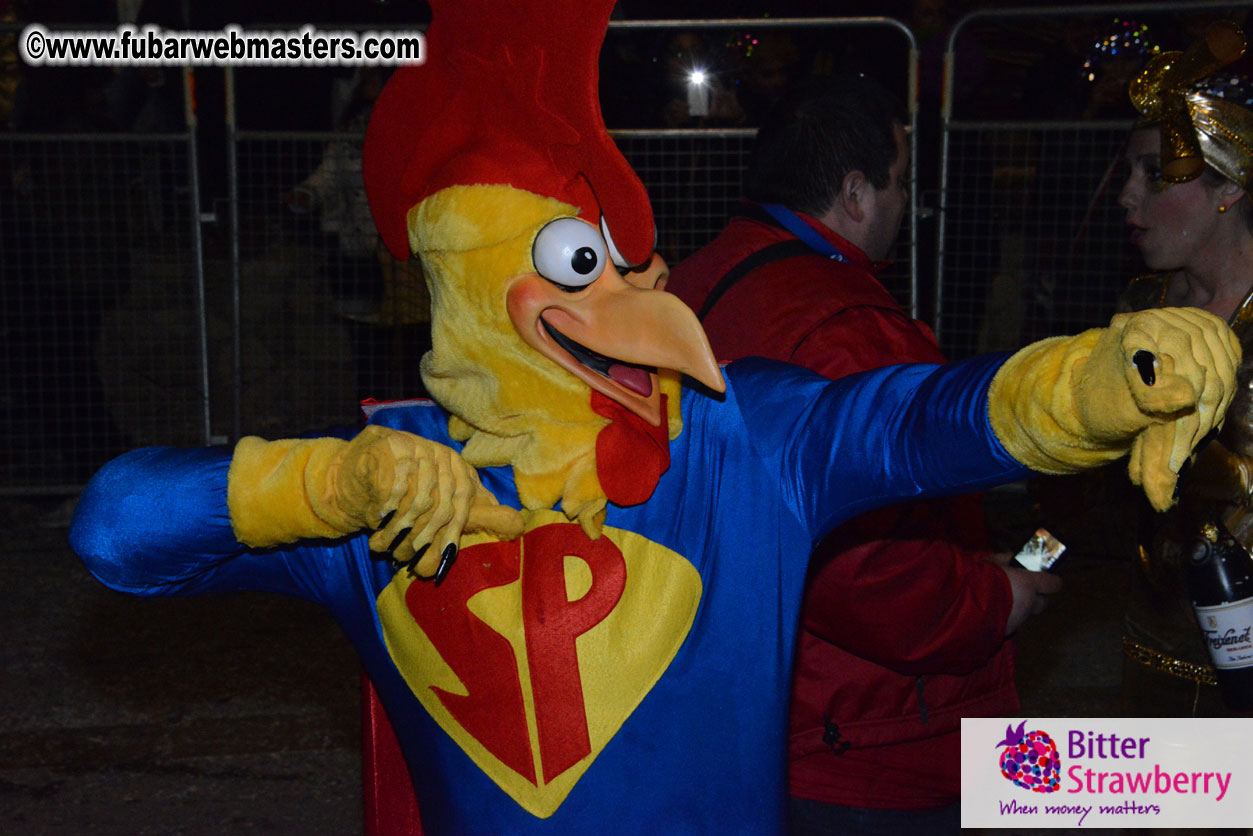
(533, 652)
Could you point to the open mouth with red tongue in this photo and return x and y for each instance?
(613, 336)
(630, 376)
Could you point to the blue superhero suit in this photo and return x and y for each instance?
(633, 684)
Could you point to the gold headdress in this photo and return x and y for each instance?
(1198, 128)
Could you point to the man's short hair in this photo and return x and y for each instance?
(809, 142)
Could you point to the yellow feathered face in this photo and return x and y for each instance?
(529, 315)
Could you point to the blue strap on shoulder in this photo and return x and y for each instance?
(789, 221)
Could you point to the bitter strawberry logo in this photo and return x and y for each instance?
(1030, 759)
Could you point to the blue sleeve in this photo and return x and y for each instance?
(152, 520)
(867, 440)
(155, 522)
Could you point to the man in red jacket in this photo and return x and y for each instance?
(907, 612)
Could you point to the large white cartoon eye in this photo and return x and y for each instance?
(569, 253)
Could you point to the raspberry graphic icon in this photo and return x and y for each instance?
(1030, 759)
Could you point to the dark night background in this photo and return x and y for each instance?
(1014, 69)
(240, 714)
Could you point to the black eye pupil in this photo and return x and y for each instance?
(583, 261)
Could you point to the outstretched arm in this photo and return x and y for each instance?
(1151, 385)
(162, 520)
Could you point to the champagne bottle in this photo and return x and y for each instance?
(1220, 583)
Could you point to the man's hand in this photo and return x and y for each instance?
(416, 492)
(1152, 384)
(1030, 591)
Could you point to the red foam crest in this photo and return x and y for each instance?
(508, 95)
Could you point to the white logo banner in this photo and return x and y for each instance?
(1057, 772)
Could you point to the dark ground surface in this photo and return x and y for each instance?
(239, 714)
(218, 715)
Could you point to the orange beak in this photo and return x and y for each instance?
(615, 333)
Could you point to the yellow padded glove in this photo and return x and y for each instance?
(283, 491)
(1153, 383)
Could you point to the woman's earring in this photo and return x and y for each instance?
(1222, 209)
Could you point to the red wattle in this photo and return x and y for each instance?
(631, 454)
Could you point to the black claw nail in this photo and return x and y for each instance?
(1144, 362)
(446, 560)
(399, 538)
(386, 519)
(411, 563)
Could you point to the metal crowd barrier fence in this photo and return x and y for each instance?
(694, 174)
(1032, 241)
(102, 288)
(99, 303)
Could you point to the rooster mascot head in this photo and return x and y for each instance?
(555, 348)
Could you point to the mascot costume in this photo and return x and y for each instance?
(613, 656)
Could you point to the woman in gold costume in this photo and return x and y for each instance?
(1189, 211)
